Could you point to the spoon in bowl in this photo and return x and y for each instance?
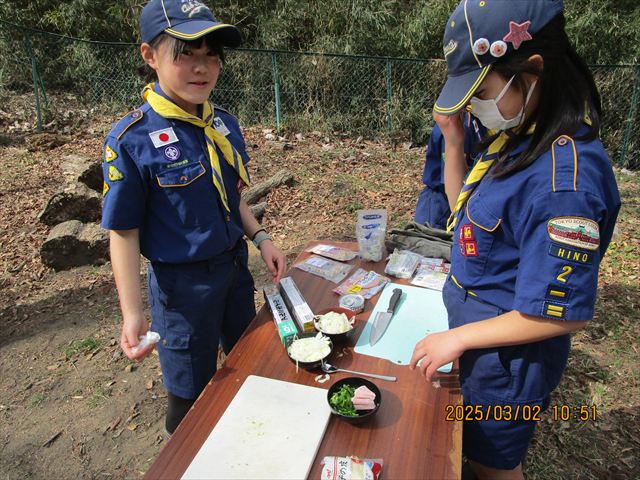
(328, 368)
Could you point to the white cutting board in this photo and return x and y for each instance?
(270, 430)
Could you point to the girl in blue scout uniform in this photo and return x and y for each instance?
(173, 173)
(433, 206)
(531, 222)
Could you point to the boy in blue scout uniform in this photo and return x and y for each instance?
(433, 206)
(173, 173)
(531, 222)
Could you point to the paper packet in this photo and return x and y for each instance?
(324, 267)
(362, 282)
(334, 252)
(351, 468)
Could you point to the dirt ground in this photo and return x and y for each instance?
(72, 406)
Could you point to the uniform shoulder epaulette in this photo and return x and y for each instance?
(222, 109)
(122, 125)
(564, 157)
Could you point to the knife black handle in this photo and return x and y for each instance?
(393, 301)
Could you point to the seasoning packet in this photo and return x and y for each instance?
(431, 275)
(402, 263)
(323, 267)
(363, 283)
(331, 251)
(351, 468)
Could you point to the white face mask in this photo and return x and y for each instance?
(489, 114)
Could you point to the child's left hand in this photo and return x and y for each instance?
(273, 258)
(434, 351)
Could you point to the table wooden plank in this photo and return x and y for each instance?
(409, 431)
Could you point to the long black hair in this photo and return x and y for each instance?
(178, 47)
(568, 95)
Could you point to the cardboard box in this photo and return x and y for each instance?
(297, 304)
(284, 323)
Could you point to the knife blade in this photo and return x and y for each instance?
(383, 319)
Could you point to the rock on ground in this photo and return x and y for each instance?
(72, 244)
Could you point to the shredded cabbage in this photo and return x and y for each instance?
(310, 349)
(334, 323)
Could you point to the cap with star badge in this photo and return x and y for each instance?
(478, 33)
(185, 19)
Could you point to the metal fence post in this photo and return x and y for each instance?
(34, 77)
(276, 87)
(389, 95)
(630, 124)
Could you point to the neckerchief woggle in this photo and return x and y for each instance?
(478, 171)
(167, 109)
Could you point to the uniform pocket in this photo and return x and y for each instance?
(177, 365)
(176, 341)
(181, 177)
(482, 371)
(190, 193)
(476, 246)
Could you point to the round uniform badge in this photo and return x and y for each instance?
(481, 46)
(498, 48)
(172, 153)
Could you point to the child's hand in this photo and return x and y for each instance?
(273, 258)
(434, 351)
(452, 129)
(132, 329)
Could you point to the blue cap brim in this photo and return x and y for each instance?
(228, 35)
(458, 90)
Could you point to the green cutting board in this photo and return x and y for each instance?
(421, 311)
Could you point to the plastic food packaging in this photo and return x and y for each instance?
(353, 302)
(402, 263)
(331, 251)
(351, 468)
(371, 227)
(363, 283)
(145, 340)
(323, 267)
(431, 275)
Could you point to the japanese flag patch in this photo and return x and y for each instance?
(575, 231)
(109, 154)
(163, 137)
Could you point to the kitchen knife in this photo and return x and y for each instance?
(383, 319)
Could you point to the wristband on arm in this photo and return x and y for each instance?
(260, 236)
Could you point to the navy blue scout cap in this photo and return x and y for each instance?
(478, 33)
(184, 19)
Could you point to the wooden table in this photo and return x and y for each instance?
(409, 432)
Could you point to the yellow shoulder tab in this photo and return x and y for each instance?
(123, 124)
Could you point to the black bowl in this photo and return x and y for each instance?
(336, 337)
(307, 365)
(355, 382)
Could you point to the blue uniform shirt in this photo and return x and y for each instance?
(432, 176)
(158, 179)
(533, 241)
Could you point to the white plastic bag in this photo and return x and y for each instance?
(145, 340)
(371, 229)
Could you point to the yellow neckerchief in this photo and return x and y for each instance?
(478, 171)
(167, 109)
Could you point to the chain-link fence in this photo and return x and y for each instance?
(370, 96)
